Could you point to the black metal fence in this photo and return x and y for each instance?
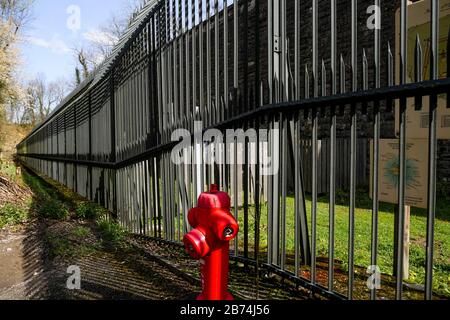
(251, 65)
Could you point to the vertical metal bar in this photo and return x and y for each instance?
(315, 133)
(270, 197)
(89, 143)
(177, 114)
(245, 187)
(236, 53)
(172, 72)
(217, 63)
(188, 35)
(160, 203)
(354, 45)
(149, 196)
(146, 197)
(315, 47)
(272, 206)
(332, 147)
(208, 63)
(235, 109)
(376, 152)
(194, 60)
(75, 166)
(432, 152)
(277, 51)
(194, 114)
(257, 155)
(257, 85)
(236, 194)
(226, 93)
(284, 164)
(155, 183)
(181, 52)
(201, 68)
(199, 150)
(173, 197)
(284, 83)
(257, 202)
(297, 179)
(155, 139)
(275, 193)
(297, 61)
(164, 181)
(245, 107)
(351, 245)
(159, 80)
(270, 46)
(402, 150)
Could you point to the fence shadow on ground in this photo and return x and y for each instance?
(106, 273)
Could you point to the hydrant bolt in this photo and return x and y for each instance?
(228, 232)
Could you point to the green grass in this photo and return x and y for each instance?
(59, 247)
(112, 234)
(87, 210)
(47, 202)
(11, 215)
(82, 232)
(53, 209)
(8, 170)
(363, 231)
(63, 247)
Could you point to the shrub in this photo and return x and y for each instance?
(59, 247)
(11, 215)
(87, 211)
(53, 209)
(81, 232)
(112, 233)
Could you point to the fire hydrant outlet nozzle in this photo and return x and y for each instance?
(214, 228)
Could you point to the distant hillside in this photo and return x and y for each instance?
(10, 136)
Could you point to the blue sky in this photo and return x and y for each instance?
(54, 33)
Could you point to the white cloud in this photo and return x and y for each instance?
(100, 37)
(55, 44)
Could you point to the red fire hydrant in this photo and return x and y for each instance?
(214, 227)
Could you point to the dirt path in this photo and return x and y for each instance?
(20, 266)
(11, 270)
(28, 271)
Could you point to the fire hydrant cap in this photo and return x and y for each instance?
(214, 199)
(195, 244)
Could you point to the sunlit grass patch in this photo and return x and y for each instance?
(11, 214)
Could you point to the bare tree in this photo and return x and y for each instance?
(40, 100)
(85, 63)
(90, 56)
(16, 12)
(87, 60)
